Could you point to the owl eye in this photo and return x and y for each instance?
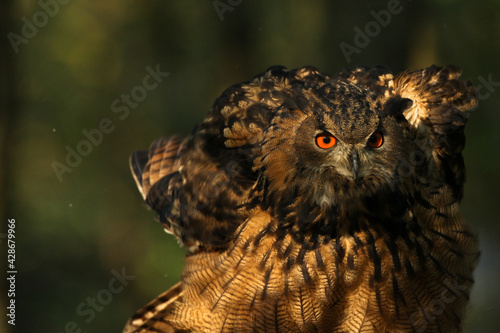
(325, 140)
(376, 140)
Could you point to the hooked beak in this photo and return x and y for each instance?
(354, 165)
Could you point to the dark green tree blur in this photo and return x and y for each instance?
(77, 97)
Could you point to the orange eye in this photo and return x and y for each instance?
(376, 140)
(325, 140)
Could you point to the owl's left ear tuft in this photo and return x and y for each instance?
(396, 106)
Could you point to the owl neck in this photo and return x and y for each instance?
(297, 214)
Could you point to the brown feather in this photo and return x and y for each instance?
(287, 236)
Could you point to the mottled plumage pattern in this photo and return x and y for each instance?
(317, 203)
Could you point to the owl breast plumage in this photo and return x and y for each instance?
(317, 203)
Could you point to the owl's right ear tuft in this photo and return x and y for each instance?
(396, 106)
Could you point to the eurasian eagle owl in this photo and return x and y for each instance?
(317, 203)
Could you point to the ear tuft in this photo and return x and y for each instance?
(396, 106)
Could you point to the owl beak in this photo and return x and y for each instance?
(355, 165)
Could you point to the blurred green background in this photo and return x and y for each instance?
(61, 75)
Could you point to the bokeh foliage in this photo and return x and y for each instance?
(72, 234)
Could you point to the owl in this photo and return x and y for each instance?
(317, 203)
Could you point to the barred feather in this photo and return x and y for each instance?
(287, 236)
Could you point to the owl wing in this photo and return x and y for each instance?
(440, 110)
(156, 173)
(202, 187)
(151, 318)
(162, 159)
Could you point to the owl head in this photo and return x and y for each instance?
(333, 149)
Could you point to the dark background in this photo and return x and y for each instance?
(73, 232)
